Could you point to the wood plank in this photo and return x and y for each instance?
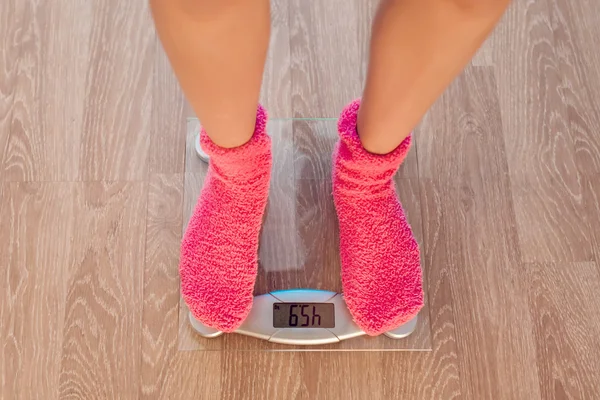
(10, 42)
(160, 317)
(469, 182)
(366, 10)
(168, 373)
(565, 308)
(314, 141)
(546, 185)
(102, 338)
(168, 123)
(592, 207)
(193, 375)
(35, 241)
(344, 375)
(49, 95)
(261, 375)
(118, 96)
(575, 31)
(325, 57)
(275, 93)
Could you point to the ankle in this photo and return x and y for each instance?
(374, 142)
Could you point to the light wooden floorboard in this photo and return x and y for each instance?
(49, 96)
(575, 27)
(115, 139)
(592, 207)
(325, 54)
(161, 282)
(35, 246)
(545, 182)
(277, 84)
(468, 173)
(168, 122)
(565, 309)
(101, 341)
(11, 14)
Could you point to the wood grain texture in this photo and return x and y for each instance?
(35, 242)
(592, 207)
(357, 376)
(314, 141)
(168, 124)
(469, 176)
(166, 372)
(160, 314)
(575, 30)
(545, 182)
(118, 92)
(242, 375)
(366, 9)
(49, 92)
(565, 309)
(275, 93)
(325, 57)
(103, 305)
(193, 375)
(11, 14)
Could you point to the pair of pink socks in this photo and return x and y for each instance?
(381, 272)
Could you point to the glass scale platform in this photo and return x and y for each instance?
(299, 245)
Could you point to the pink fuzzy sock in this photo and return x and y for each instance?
(219, 252)
(381, 271)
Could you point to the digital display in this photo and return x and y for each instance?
(303, 315)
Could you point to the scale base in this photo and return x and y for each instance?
(259, 323)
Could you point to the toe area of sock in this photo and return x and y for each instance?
(223, 315)
(217, 297)
(375, 317)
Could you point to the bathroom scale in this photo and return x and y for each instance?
(298, 317)
(298, 300)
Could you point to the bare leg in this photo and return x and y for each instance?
(417, 48)
(217, 49)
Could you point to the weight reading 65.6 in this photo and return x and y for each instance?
(305, 314)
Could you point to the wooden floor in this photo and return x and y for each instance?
(503, 187)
